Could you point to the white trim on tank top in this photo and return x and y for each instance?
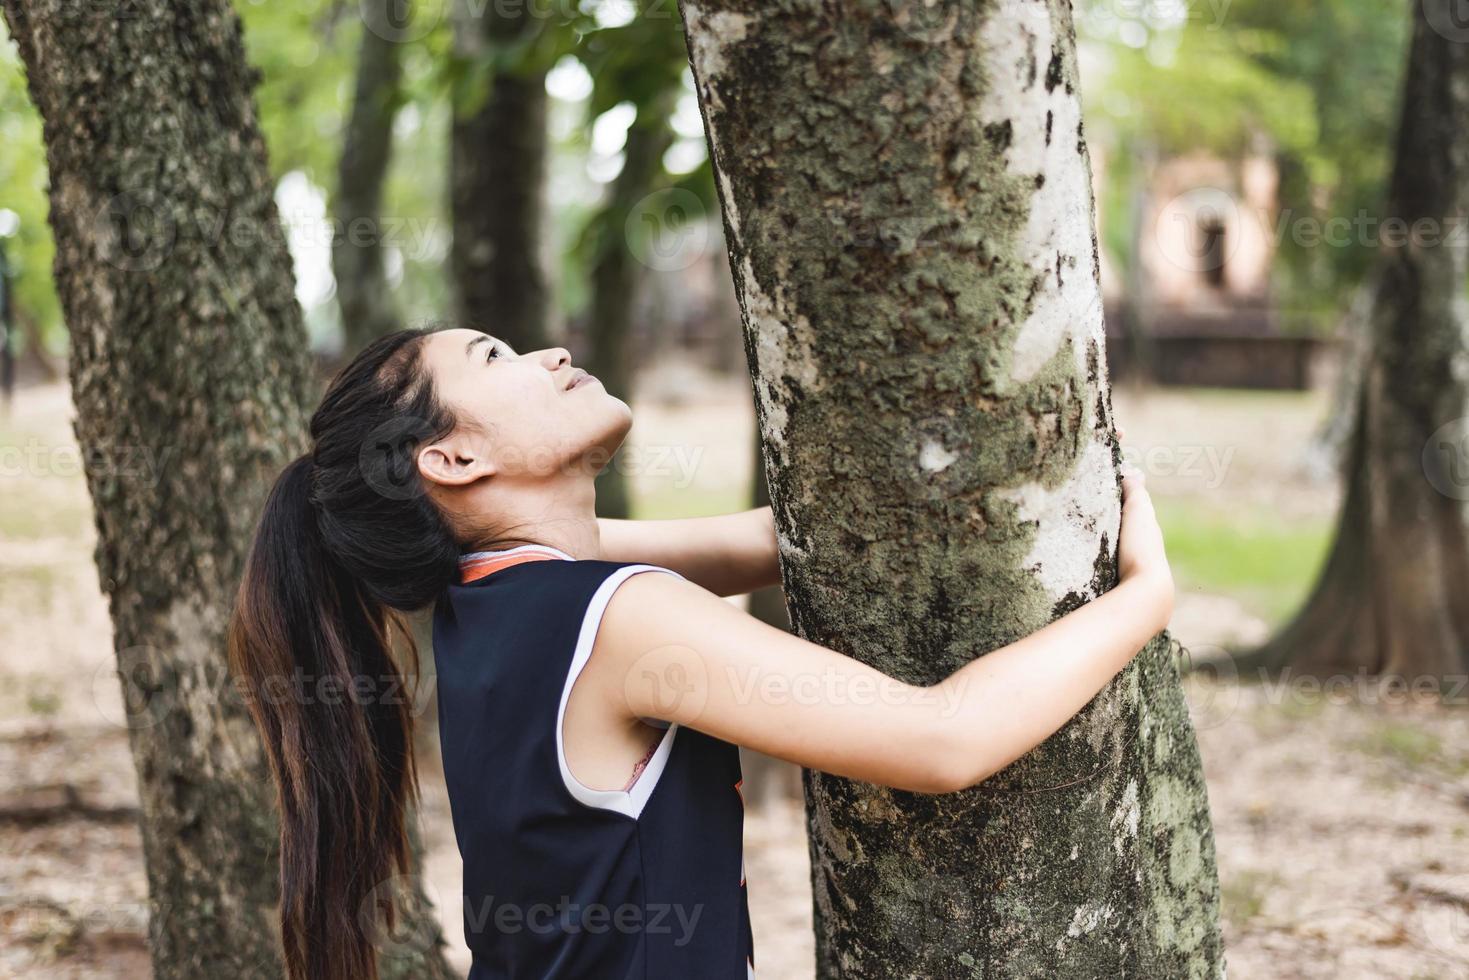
(627, 802)
(514, 551)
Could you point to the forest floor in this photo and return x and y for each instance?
(1342, 820)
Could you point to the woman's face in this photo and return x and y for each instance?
(521, 415)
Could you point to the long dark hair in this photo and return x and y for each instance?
(347, 542)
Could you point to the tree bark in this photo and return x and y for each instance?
(189, 370)
(496, 182)
(616, 276)
(1390, 599)
(766, 777)
(363, 297)
(908, 210)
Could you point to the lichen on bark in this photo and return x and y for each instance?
(907, 203)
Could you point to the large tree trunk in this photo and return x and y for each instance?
(363, 297)
(616, 276)
(1391, 598)
(908, 208)
(496, 180)
(188, 350)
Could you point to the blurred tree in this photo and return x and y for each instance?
(498, 166)
(187, 346)
(907, 204)
(640, 63)
(308, 53)
(1390, 599)
(363, 296)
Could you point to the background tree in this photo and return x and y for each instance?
(363, 296)
(187, 346)
(498, 168)
(907, 204)
(1390, 598)
(640, 63)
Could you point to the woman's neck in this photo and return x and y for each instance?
(561, 515)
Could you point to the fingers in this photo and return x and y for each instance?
(1134, 490)
(1132, 480)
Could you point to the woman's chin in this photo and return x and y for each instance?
(615, 426)
(622, 407)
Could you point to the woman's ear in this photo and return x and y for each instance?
(454, 461)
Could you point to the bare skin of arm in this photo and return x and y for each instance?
(729, 555)
(672, 649)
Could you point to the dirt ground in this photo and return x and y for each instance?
(1342, 817)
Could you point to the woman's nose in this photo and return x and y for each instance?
(553, 357)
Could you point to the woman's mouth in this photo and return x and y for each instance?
(580, 378)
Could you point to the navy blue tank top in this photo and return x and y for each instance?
(562, 881)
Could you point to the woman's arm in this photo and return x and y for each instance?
(668, 649)
(729, 555)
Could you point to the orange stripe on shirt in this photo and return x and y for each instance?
(476, 570)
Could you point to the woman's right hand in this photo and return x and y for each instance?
(1140, 552)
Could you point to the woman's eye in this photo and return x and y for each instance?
(494, 351)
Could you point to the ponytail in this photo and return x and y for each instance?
(332, 565)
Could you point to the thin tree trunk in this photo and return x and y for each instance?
(496, 183)
(363, 297)
(908, 209)
(1391, 597)
(189, 355)
(616, 276)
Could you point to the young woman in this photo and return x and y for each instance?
(588, 713)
